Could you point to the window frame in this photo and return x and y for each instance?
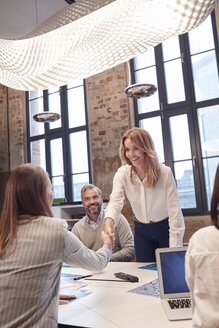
(189, 106)
(62, 132)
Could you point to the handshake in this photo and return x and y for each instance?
(108, 236)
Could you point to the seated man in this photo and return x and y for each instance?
(88, 229)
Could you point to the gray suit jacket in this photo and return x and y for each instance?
(30, 272)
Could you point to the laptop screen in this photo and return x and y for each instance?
(171, 272)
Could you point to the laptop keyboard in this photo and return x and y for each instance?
(180, 303)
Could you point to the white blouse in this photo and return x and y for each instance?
(149, 204)
(202, 267)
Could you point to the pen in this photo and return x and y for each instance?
(106, 279)
(82, 277)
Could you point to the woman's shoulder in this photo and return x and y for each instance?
(205, 239)
(164, 168)
(124, 170)
(203, 235)
(165, 172)
(205, 231)
(52, 221)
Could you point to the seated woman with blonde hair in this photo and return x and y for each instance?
(33, 246)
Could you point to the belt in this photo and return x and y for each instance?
(150, 222)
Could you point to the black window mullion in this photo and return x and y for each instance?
(160, 77)
(187, 69)
(66, 163)
(28, 127)
(66, 146)
(88, 132)
(216, 37)
(199, 188)
(168, 154)
(199, 161)
(64, 107)
(48, 156)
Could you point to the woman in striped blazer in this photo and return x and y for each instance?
(33, 246)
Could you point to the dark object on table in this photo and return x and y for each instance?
(126, 276)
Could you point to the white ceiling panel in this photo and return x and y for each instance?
(19, 17)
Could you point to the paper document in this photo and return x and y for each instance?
(150, 289)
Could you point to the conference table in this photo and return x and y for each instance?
(110, 304)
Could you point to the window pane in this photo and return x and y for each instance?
(78, 148)
(201, 38)
(56, 157)
(171, 48)
(147, 104)
(58, 187)
(153, 126)
(35, 94)
(76, 107)
(180, 145)
(172, 70)
(35, 107)
(185, 184)
(144, 60)
(208, 119)
(75, 83)
(78, 181)
(37, 153)
(205, 75)
(210, 166)
(54, 106)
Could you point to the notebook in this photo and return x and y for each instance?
(174, 292)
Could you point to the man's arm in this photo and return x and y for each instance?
(125, 239)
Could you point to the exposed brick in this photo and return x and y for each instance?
(109, 79)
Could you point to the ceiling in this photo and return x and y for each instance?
(19, 17)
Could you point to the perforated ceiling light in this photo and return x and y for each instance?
(89, 37)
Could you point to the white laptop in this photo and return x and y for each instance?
(174, 292)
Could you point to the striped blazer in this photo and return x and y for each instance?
(30, 271)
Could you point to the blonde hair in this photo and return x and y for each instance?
(143, 141)
(25, 200)
(215, 200)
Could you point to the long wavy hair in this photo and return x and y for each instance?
(215, 200)
(25, 200)
(143, 141)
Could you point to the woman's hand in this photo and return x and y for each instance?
(108, 228)
(64, 299)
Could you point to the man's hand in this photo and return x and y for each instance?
(64, 299)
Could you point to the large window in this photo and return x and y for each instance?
(183, 115)
(61, 147)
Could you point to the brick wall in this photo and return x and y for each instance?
(12, 119)
(110, 114)
(109, 118)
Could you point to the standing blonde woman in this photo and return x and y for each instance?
(151, 191)
(33, 246)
